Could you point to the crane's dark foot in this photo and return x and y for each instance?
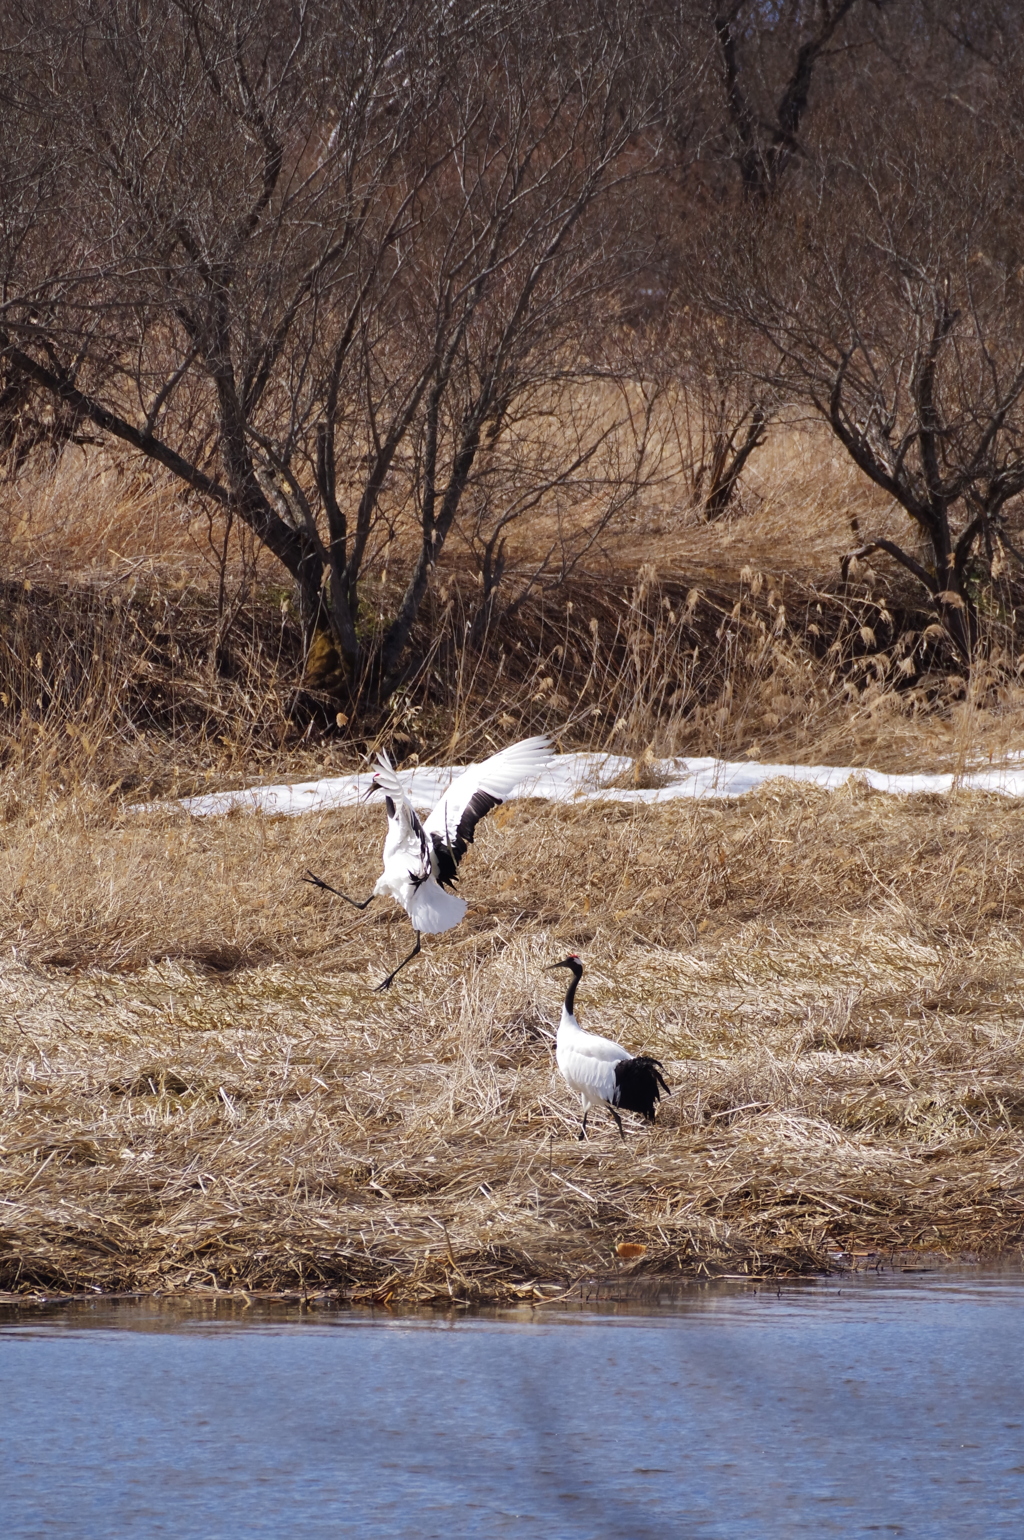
(386, 983)
(318, 882)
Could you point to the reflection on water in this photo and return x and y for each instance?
(836, 1408)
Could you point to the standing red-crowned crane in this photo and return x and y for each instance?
(602, 1072)
(421, 860)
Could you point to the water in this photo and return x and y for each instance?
(834, 1408)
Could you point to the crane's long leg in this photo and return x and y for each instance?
(318, 882)
(387, 982)
(618, 1120)
(583, 1127)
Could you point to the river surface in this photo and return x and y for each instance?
(837, 1407)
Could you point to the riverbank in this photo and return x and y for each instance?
(200, 1089)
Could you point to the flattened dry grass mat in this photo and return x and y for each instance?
(201, 1091)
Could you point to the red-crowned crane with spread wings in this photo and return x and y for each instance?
(421, 860)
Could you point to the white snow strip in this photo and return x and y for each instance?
(585, 777)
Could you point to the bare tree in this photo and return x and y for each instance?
(222, 171)
(328, 258)
(768, 58)
(29, 210)
(755, 127)
(568, 463)
(902, 322)
(723, 405)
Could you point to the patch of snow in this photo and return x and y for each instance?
(585, 777)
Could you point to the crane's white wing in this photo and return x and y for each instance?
(473, 794)
(387, 779)
(406, 849)
(432, 910)
(589, 1072)
(601, 1049)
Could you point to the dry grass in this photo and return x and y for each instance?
(200, 1089)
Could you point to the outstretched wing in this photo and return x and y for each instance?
(406, 841)
(473, 794)
(386, 777)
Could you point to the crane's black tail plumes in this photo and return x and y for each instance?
(639, 1084)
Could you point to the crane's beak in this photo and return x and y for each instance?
(370, 791)
(563, 964)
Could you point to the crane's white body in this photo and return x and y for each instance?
(410, 871)
(587, 1062)
(412, 857)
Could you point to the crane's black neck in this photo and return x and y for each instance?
(577, 974)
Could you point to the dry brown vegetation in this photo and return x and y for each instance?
(135, 661)
(410, 415)
(200, 1089)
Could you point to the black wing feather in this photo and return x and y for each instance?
(449, 855)
(424, 852)
(639, 1084)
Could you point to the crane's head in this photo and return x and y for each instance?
(375, 785)
(379, 780)
(572, 961)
